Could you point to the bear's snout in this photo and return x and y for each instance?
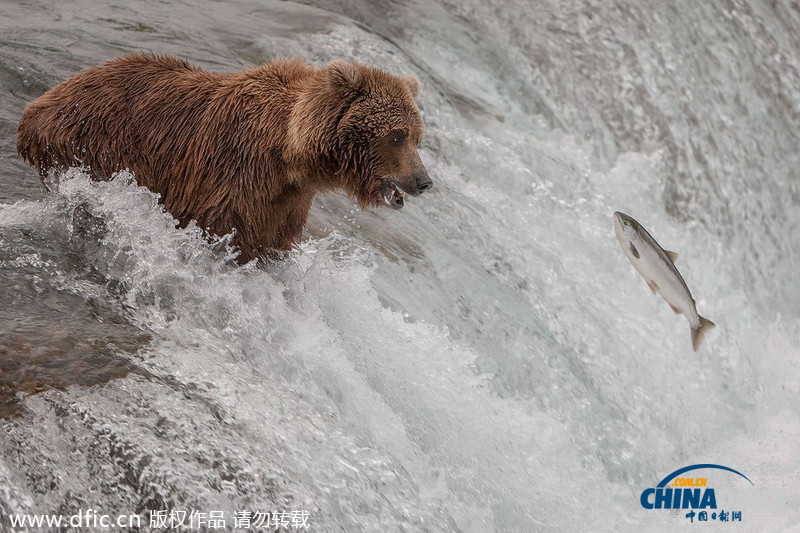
(418, 181)
(414, 183)
(423, 181)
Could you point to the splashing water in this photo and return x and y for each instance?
(485, 359)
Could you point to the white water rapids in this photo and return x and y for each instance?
(485, 359)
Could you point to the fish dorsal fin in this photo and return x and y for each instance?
(634, 251)
(672, 255)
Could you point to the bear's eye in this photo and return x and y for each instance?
(397, 138)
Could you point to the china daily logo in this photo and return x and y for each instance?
(677, 491)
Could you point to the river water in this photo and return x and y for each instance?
(485, 359)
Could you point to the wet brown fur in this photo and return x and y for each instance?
(244, 150)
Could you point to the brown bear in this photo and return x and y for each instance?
(244, 151)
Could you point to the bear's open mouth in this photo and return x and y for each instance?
(392, 194)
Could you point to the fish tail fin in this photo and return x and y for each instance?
(699, 331)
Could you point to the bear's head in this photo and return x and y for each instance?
(368, 127)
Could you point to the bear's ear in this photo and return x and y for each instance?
(346, 75)
(413, 84)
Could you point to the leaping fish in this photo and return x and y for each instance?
(657, 267)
